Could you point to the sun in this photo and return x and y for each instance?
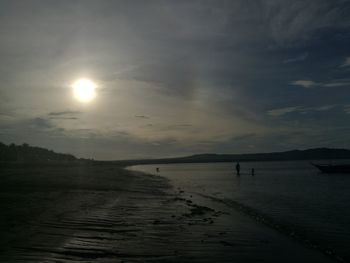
(84, 90)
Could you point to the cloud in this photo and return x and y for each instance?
(292, 23)
(41, 123)
(346, 62)
(304, 83)
(296, 59)
(347, 109)
(310, 83)
(64, 115)
(335, 84)
(282, 111)
(60, 113)
(141, 117)
(322, 108)
(178, 126)
(64, 118)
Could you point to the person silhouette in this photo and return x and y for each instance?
(238, 168)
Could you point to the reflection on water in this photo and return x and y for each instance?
(292, 193)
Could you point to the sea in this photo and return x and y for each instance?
(291, 196)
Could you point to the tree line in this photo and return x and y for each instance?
(27, 153)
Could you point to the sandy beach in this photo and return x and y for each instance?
(107, 214)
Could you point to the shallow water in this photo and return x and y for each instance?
(290, 194)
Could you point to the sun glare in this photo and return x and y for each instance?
(84, 90)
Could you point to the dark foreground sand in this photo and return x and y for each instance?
(106, 214)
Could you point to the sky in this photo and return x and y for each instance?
(175, 78)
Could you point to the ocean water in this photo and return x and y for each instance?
(290, 195)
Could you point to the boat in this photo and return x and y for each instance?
(333, 168)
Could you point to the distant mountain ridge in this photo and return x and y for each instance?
(309, 154)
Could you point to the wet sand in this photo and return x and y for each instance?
(107, 214)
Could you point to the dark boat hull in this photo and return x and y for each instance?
(344, 168)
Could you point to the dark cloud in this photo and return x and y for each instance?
(64, 115)
(67, 112)
(179, 126)
(41, 123)
(141, 117)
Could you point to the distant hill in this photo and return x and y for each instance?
(310, 154)
(28, 154)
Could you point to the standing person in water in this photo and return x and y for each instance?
(238, 168)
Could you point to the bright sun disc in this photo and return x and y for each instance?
(84, 90)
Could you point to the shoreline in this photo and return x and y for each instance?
(109, 214)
